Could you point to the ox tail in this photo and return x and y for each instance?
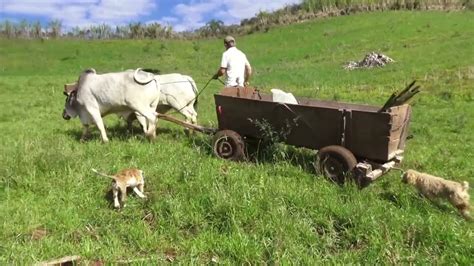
(143, 78)
(196, 92)
(465, 185)
(90, 71)
(83, 76)
(102, 174)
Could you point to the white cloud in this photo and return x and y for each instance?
(243, 9)
(194, 15)
(169, 19)
(113, 11)
(164, 21)
(82, 12)
(183, 16)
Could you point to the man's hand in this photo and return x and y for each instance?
(216, 76)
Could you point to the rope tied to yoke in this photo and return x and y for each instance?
(197, 95)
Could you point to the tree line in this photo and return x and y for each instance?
(263, 21)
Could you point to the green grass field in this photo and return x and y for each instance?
(201, 208)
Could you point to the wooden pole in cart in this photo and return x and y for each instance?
(206, 130)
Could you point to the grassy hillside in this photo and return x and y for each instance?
(201, 208)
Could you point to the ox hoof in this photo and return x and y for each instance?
(151, 137)
(85, 138)
(189, 132)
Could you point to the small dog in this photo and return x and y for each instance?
(436, 187)
(126, 178)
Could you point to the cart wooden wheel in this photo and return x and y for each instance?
(229, 145)
(336, 162)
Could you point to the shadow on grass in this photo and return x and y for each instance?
(277, 153)
(116, 132)
(438, 204)
(259, 153)
(200, 142)
(391, 198)
(109, 197)
(304, 158)
(256, 152)
(422, 205)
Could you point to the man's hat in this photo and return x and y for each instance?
(229, 39)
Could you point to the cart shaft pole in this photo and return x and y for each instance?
(198, 128)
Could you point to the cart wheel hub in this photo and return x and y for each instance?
(333, 168)
(336, 163)
(225, 149)
(229, 145)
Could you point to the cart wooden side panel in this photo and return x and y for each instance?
(309, 127)
(315, 124)
(377, 136)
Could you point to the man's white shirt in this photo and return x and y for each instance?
(234, 61)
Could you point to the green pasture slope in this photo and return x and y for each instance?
(200, 208)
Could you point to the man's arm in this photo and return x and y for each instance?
(247, 74)
(221, 71)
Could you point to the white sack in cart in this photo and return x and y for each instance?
(283, 97)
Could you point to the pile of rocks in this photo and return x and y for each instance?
(372, 59)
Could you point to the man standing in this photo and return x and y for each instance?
(234, 64)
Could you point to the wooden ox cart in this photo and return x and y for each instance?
(351, 138)
(355, 139)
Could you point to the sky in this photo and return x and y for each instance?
(181, 14)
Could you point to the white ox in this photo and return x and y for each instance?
(99, 95)
(177, 91)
